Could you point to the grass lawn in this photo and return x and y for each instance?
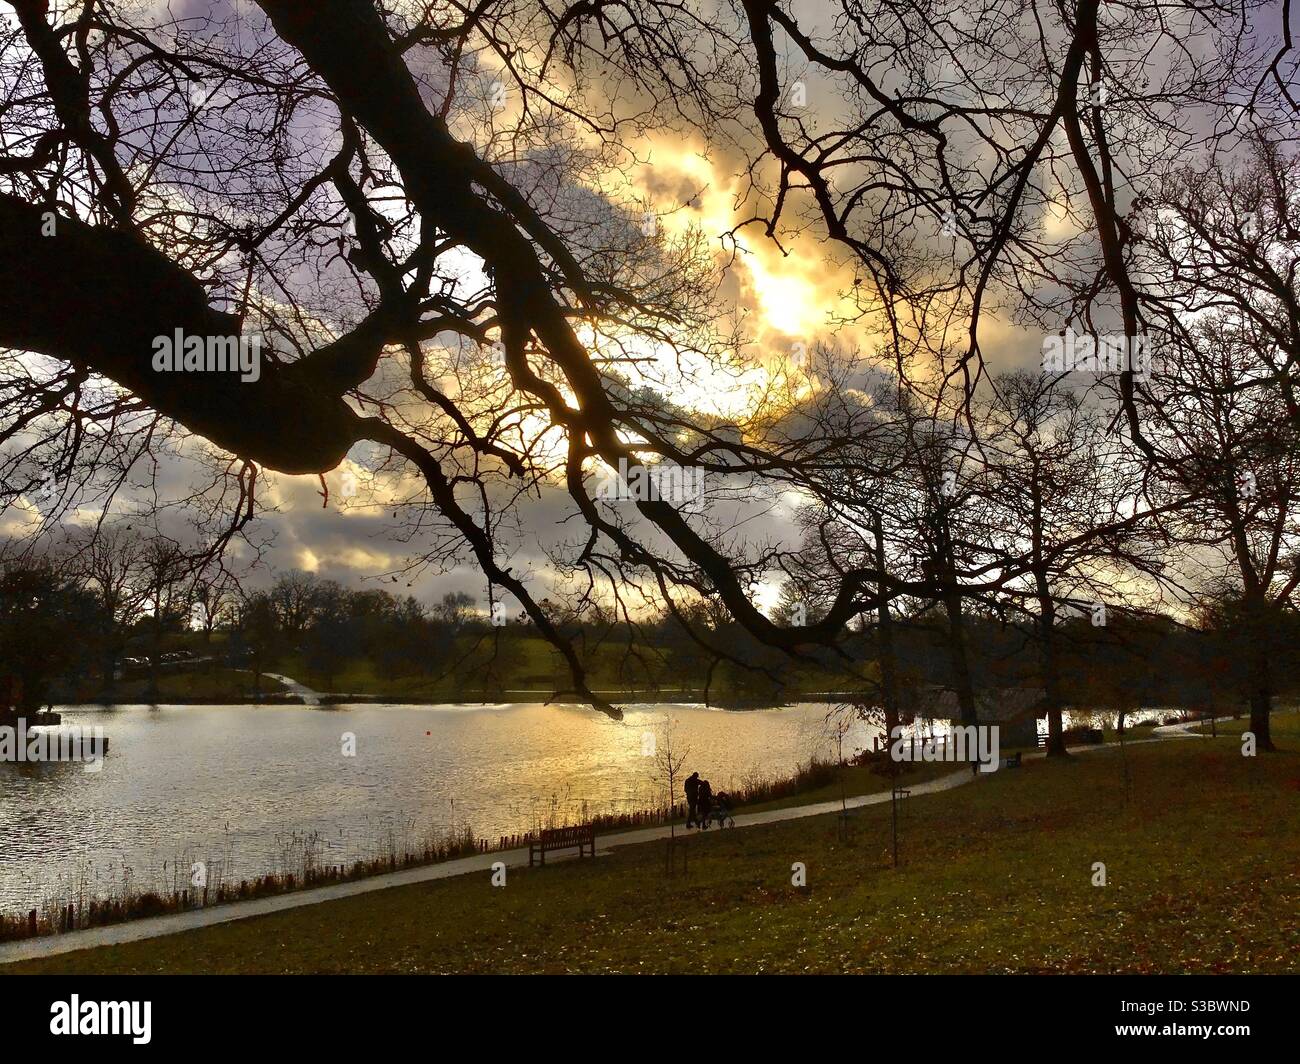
(482, 666)
(856, 781)
(217, 684)
(1202, 861)
(485, 665)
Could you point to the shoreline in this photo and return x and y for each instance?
(327, 699)
(293, 692)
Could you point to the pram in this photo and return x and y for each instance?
(719, 812)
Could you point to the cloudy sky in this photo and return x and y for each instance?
(787, 298)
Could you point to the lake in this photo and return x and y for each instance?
(245, 789)
(242, 787)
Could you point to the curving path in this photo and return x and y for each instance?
(308, 696)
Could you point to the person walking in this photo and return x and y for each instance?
(703, 802)
(692, 797)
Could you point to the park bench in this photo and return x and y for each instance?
(581, 836)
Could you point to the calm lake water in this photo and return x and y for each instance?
(240, 787)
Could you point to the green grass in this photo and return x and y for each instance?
(216, 684)
(359, 677)
(1203, 875)
(484, 665)
(857, 781)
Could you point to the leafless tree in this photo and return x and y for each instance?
(163, 567)
(1235, 456)
(320, 175)
(669, 760)
(214, 594)
(1071, 497)
(110, 560)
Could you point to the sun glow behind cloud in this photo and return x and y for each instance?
(785, 297)
(788, 293)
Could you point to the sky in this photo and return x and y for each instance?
(786, 297)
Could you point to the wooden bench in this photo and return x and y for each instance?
(581, 836)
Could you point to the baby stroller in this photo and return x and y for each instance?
(719, 812)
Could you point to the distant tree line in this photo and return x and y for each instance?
(114, 603)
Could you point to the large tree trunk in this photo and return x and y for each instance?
(960, 663)
(1259, 668)
(888, 662)
(154, 652)
(1260, 706)
(1051, 667)
(961, 679)
(1261, 692)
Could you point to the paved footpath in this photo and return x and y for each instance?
(156, 926)
(308, 696)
